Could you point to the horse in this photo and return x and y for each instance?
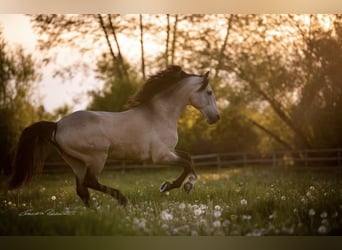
(147, 131)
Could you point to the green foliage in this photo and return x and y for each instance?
(115, 95)
(18, 75)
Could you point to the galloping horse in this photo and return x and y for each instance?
(145, 132)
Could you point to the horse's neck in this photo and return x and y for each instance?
(169, 109)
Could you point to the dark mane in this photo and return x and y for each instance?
(157, 83)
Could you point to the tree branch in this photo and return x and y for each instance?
(270, 133)
(109, 44)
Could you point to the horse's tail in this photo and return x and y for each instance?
(31, 152)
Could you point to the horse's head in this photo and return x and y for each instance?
(204, 100)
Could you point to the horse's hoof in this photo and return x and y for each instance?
(188, 186)
(164, 186)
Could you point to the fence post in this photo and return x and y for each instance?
(244, 159)
(306, 158)
(218, 160)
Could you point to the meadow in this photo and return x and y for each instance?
(249, 201)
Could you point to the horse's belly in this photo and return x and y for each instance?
(129, 151)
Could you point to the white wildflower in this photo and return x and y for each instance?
(217, 213)
(197, 211)
(246, 217)
(324, 215)
(217, 208)
(53, 198)
(165, 215)
(203, 206)
(283, 198)
(325, 222)
(322, 229)
(216, 223)
(243, 202)
(181, 206)
(312, 212)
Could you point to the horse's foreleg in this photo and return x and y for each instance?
(91, 181)
(184, 159)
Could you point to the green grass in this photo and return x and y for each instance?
(239, 201)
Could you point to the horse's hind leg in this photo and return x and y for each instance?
(79, 169)
(82, 192)
(91, 181)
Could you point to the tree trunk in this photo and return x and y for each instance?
(142, 46)
(174, 38)
(121, 61)
(109, 45)
(219, 63)
(167, 40)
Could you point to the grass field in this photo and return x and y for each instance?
(252, 201)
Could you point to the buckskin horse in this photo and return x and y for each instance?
(145, 132)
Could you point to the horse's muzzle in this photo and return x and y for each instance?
(214, 119)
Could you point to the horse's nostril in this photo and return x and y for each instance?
(218, 117)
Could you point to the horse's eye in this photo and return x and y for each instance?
(210, 92)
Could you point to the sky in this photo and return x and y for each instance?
(52, 92)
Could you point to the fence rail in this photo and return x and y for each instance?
(306, 157)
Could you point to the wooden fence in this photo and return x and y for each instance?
(316, 157)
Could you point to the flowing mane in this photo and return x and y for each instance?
(158, 83)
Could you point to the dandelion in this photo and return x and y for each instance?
(324, 215)
(181, 206)
(312, 212)
(322, 229)
(216, 223)
(272, 216)
(283, 198)
(243, 202)
(53, 198)
(217, 208)
(246, 217)
(165, 215)
(197, 211)
(217, 213)
(203, 206)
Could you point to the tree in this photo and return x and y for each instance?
(115, 95)
(18, 75)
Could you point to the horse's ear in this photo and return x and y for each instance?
(205, 81)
